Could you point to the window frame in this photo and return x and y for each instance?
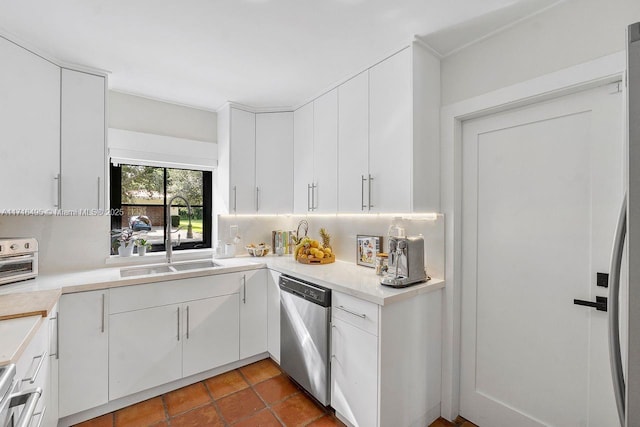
(115, 178)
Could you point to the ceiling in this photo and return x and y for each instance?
(263, 53)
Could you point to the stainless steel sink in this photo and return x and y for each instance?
(166, 268)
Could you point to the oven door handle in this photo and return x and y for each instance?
(14, 259)
(29, 398)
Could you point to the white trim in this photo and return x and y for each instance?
(573, 79)
(164, 100)
(422, 42)
(255, 110)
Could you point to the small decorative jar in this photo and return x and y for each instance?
(382, 260)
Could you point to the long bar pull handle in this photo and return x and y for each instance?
(362, 191)
(308, 197)
(314, 186)
(244, 288)
(41, 413)
(187, 322)
(235, 198)
(57, 332)
(103, 313)
(178, 317)
(615, 354)
(32, 378)
(600, 304)
(257, 199)
(98, 192)
(370, 181)
(58, 178)
(343, 308)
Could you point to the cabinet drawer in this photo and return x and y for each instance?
(359, 313)
(138, 297)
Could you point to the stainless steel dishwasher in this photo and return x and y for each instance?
(305, 313)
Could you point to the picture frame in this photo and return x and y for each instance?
(367, 248)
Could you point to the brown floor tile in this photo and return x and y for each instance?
(327, 421)
(239, 405)
(141, 414)
(161, 424)
(186, 398)
(199, 417)
(468, 424)
(103, 421)
(263, 418)
(260, 371)
(441, 422)
(225, 384)
(276, 389)
(298, 410)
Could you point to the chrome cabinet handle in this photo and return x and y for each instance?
(308, 197)
(314, 206)
(57, 335)
(28, 398)
(41, 413)
(370, 181)
(235, 198)
(244, 288)
(98, 192)
(178, 316)
(103, 314)
(362, 192)
(343, 308)
(257, 199)
(32, 378)
(187, 322)
(58, 178)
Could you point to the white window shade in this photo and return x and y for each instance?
(146, 149)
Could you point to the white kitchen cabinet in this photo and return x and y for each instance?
(324, 193)
(82, 140)
(29, 129)
(274, 163)
(404, 154)
(353, 144)
(253, 313)
(144, 349)
(273, 314)
(242, 171)
(354, 373)
(303, 158)
(83, 351)
(206, 342)
(316, 155)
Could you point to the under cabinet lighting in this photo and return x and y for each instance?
(428, 216)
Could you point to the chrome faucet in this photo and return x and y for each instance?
(168, 244)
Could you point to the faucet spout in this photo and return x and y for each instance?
(168, 243)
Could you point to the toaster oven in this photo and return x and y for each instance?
(18, 259)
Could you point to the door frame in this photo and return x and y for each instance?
(606, 69)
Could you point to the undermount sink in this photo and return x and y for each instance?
(166, 268)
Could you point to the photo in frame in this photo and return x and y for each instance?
(367, 248)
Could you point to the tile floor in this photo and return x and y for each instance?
(256, 395)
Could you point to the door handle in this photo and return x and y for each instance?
(362, 191)
(370, 181)
(600, 304)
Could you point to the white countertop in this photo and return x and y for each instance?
(341, 276)
(15, 335)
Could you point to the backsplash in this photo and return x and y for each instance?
(343, 230)
(65, 243)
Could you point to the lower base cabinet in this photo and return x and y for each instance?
(273, 314)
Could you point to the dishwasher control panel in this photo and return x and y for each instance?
(309, 291)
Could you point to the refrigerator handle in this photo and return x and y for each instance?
(615, 355)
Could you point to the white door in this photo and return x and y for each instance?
(324, 196)
(242, 150)
(274, 162)
(353, 144)
(302, 158)
(253, 313)
(207, 345)
(541, 190)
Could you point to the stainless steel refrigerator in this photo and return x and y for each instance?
(625, 359)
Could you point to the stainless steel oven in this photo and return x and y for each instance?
(18, 259)
(16, 408)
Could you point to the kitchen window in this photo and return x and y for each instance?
(141, 193)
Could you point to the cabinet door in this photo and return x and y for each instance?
(82, 131)
(210, 334)
(145, 350)
(353, 144)
(83, 349)
(302, 158)
(273, 314)
(391, 134)
(274, 162)
(354, 374)
(29, 129)
(242, 192)
(325, 153)
(253, 313)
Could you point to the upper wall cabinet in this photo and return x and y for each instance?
(83, 140)
(255, 153)
(316, 155)
(29, 129)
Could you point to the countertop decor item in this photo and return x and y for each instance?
(367, 248)
(258, 250)
(310, 251)
(142, 245)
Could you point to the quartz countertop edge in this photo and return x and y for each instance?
(15, 336)
(25, 304)
(341, 276)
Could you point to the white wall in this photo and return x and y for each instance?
(570, 33)
(140, 114)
